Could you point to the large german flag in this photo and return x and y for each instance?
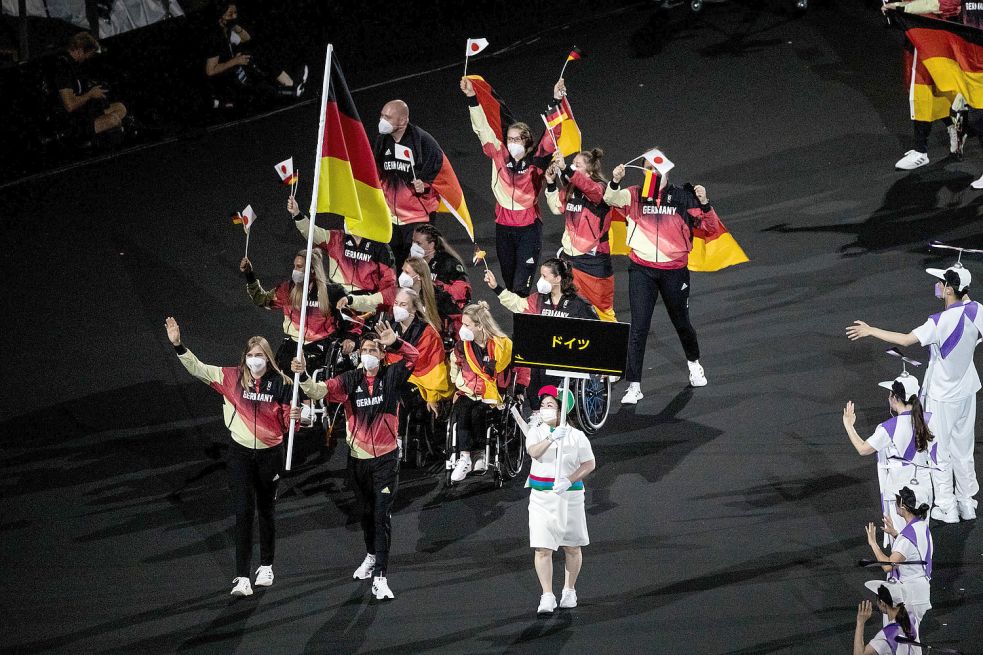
(496, 112)
(348, 184)
(947, 59)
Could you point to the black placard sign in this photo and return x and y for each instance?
(570, 344)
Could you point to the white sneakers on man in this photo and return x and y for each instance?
(912, 160)
(568, 600)
(697, 378)
(632, 394)
(547, 603)
(264, 576)
(241, 587)
(380, 587)
(478, 462)
(462, 468)
(946, 517)
(364, 571)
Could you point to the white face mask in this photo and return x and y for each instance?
(400, 314)
(517, 150)
(543, 285)
(416, 250)
(297, 276)
(369, 361)
(385, 127)
(405, 281)
(466, 333)
(548, 414)
(256, 365)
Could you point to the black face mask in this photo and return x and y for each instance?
(230, 24)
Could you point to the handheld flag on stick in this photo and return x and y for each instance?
(479, 256)
(474, 47)
(650, 187)
(245, 218)
(498, 115)
(549, 129)
(575, 55)
(569, 141)
(658, 160)
(285, 170)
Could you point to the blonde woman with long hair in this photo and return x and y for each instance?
(481, 369)
(439, 306)
(257, 413)
(324, 321)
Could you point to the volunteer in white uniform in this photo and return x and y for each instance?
(897, 622)
(951, 383)
(912, 543)
(905, 446)
(556, 506)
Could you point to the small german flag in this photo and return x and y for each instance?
(650, 187)
(556, 117)
(575, 54)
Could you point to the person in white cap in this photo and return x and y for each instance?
(951, 383)
(912, 543)
(556, 503)
(897, 622)
(905, 446)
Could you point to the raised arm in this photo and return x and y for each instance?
(490, 144)
(304, 224)
(614, 195)
(849, 421)
(205, 372)
(859, 330)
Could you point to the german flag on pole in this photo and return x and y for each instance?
(715, 250)
(575, 54)
(947, 59)
(569, 140)
(347, 181)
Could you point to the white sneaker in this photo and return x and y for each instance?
(697, 378)
(380, 587)
(632, 394)
(912, 160)
(479, 463)
(547, 603)
(264, 576)
(364, 571)
(953, 139)
(966, 511)
(945, 517)
(569, 599)
(462, 468)
(977, 184)
(241, 587)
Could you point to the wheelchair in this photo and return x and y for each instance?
(505, 445)
(418, 428)
(593, 402)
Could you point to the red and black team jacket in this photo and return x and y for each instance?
(448, 274)
(587, 222)
(370, 402)
(405, 204)
(366, 269)
(318, 327)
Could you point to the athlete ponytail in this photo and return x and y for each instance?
(592, 158)
(901, 617)
(440, 244)
(564, 271)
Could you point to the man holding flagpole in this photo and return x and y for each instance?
(408, 159)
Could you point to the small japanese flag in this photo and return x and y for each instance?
(659, 161)
(404, 154)
(246, 217)
(475, 46)
(285, 170)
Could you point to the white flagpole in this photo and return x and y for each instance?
(325, 84)
(563, 70)
(556, 146)
(562, 422)
(466, 57)
(247, 244)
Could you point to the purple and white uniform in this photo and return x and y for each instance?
(900, 463)
(885, 642)
(915, 543)
(949, 393)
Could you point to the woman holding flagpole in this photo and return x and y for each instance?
(576, 192)
(557, 518)
(518, 167)
(660, 219)
(257, 411)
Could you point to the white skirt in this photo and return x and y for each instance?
(557, 519)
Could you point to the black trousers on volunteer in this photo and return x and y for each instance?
(645, 284)
(518, 250)
(253, 477)
(375, 482)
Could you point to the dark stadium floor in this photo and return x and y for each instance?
(726, 519)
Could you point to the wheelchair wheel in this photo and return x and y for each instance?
(512, 446)
(593, 403)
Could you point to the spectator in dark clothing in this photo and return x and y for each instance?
(87, 105)
(234, 73)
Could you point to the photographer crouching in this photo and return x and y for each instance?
(88, 104)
